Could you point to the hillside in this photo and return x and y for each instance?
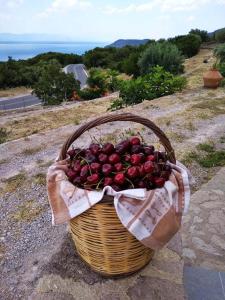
(122, 43)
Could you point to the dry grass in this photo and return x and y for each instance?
(195, 68)
(27, 211)
(14, 91)
(40, 179)
(54, 119)
(12, 183)
(31, 151)
(42, 163)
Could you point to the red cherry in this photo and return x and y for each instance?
(149, 150)
(71, 174)
(84, 171)
(90, 158)
(135, 159)
(141, 170)
(71, 153)
(148, 167)
(141, 184)
(95, 167)
(135, 141)
(114, 158)
(122, 147)
(159, 181)
(107, 169)
(150, 158)
(132, 172)
(119, 178)
(77, 180)
(94, 148)
(108, 148)
(94, 178)
(77, 166)
(136, 149)
(118, 167)
(127, 157)
(103, 158)
(108, 181)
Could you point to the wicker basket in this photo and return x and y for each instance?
(100, 238)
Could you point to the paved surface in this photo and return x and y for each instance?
(19, 102)
(203, 242)
(79, 72)
(67, 277)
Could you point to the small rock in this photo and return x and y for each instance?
(189, 253)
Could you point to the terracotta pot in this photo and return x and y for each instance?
(212, 78)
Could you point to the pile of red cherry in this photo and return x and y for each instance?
(129, 164)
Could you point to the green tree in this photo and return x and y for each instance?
(202, 33)
(219, 52)
(162, 54)
(54, 86)
(130, 64)
(220, 35)
(188, 44)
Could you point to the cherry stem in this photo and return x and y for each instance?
(130, 182)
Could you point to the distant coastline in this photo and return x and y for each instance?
(28, 49)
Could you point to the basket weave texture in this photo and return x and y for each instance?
(100, 238)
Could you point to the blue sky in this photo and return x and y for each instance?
(98, 20)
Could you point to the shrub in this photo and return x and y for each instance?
(133, 91)
(3, 135)
(220, 35)
(221, 68)
(116, 104)
(163, 54)
(97, 78)
(90, 93)
(188, 44)
(153, 85)
(202, 33)
(220, 53)
(160, 83)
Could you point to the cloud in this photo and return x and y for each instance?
(162, 5)
(64, 6)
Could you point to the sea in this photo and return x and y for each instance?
(24, 50)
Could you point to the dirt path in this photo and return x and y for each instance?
(194, 116)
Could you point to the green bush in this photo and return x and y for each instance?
(202, 33)
(97, 78)
(162, 54)
(133, 91)
(153, 85)
(219, 52)
(116, 104)
(188, 44)
(220, 35)
(90, 93)
(221, 68)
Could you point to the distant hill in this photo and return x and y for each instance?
(122, 43)
(211, 34)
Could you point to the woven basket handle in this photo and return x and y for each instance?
(120, 117)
